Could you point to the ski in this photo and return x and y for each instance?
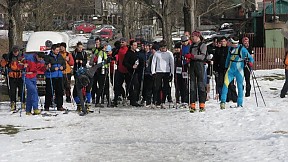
(45, 114)
(234, 107)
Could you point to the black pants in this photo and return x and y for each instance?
(161, 82)
(119, 80)
(57, 90)
(94, 86)
(148, 88)
(197, 82)
(67, 84)
(16, 83)
(103, 80)
(285, 86)
(133, 88)
(181, 89)
(247, 81)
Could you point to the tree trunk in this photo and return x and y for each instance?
(125, 18)
(15, 29)
(167, 22)
(187, 15)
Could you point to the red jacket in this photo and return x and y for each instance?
(34, 66)
(120, 57)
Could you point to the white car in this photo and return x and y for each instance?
(99, 28)
(208, 34)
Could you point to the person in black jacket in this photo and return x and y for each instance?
(131, 62)
(220, 70)
(55, 65)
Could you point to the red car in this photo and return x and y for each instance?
(106, 34)
(85, 28)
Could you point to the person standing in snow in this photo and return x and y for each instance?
(196, 58)
(54, 74)
(235, 63)
(15, 80)
(68, 71)
(285, 86)
(32, 64)
(247, 69)
(131, 62)
(162, 68)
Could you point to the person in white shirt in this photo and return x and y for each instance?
(162, 69)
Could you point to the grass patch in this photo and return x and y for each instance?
(9, 129)
(273, 77)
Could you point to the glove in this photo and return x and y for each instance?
(189, 56)
(250, 64)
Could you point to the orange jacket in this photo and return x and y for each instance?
(69, 63)
(14, 68)
(286, 62)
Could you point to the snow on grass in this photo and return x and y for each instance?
(139, 134)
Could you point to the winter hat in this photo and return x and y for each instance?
(48, 43)
(63, 44)
(244, 39)
(177, 45)
(184, 38)
(15, 49)
(109, 48)
(196, 33)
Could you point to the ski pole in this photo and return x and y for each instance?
(8, 80)
(258, 87)
(23, 90)
(211, 73)
(52, 90)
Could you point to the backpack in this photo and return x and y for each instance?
(239, 51)
(198, 52)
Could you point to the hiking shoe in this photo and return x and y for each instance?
(28, 113)
(163, 106)
(61, 109)
(13, 106)
(37, 112)
(222, 105)
(23, 106)
(202, 105)
(192, 107)
(79, 108)
(158, 106)
(87, 106)
(201, 109)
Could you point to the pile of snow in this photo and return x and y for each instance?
(139, 134)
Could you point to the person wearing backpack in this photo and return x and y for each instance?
(196, 57)
(285, 86)
(234, 64)
(14, 79)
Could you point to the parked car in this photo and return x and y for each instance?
(84, 28)
(227, 33)
(208, 34)
(106, 34)
(99, 28)
(37, 43)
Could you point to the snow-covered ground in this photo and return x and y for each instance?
(139, 134)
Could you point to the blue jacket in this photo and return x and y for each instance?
(55, 61)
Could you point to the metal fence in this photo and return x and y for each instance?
(268, 58)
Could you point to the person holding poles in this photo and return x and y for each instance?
(234, 64)
(131, 62)
(32, 64)
(54, 78)
(196, 57)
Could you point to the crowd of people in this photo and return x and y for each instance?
(142, 73)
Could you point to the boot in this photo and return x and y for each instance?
(79, 108)
(37, 112)
(13, 106)
(192, 107)
(201, 107)
(87, 106)
(60, 109)
(28, 113)
(23, 106)
(222, 105)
